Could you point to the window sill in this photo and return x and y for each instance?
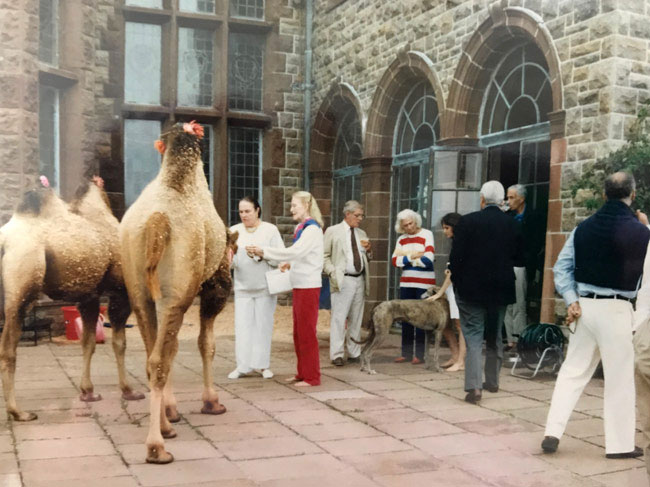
(249, 119)
(199, 113)
(249, 26)
(145, 112)
(198, 20)
(56, 77)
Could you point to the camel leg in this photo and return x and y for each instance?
(169, 399)
(158, 368)
(213, 297)
(89, 310)
(14, 315)
(118, 312)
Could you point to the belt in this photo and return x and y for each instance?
(600, 296)
(355, 275)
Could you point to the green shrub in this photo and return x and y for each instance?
(633, 157)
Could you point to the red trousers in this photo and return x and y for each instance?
(305, 342)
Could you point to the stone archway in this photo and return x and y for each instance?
(488, 44)
(394, 85)
(340, 98)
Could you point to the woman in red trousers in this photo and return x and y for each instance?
(304, 259)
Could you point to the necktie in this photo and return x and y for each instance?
(355, 252)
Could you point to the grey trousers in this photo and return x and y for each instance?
(478, 322)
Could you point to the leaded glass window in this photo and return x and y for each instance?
(141, 159)
(144, 3)
(142, 63)
(244, 154)
(250, 9)
(245, 66)
(199, 6)
(347, 168)
(418, 125)
(206, 155)
(48, 133)
(519, 93)
(195, 67)
(48, 32)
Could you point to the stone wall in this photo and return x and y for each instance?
(18, 101)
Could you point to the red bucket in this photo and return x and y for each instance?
(70, 313)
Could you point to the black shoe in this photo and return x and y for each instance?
(338, 361)
(354, 360)
(473, 397)
(550, 443)
(490, 388)
(637, 452)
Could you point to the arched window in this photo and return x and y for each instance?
(519, 94)
(347, 168)
(418, 126)
(416, 131)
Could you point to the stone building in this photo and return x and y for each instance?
(87, 86)
(411, 103)
(419, 102)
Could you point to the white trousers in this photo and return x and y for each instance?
(515, 318)
(604, 331)
(253, 331)
(347, 304)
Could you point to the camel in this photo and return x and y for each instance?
(175, 247)
(67, 252)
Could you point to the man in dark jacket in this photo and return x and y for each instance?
(598, 273)
(486, 246)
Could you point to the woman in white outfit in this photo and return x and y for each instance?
(254, 306)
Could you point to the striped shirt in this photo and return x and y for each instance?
(417, 273)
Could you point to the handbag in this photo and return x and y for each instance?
(278, 282)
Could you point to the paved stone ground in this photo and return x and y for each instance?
(403, 426)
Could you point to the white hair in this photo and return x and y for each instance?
(351, 206)
(405, 215)
(520, 189)
(493, 192)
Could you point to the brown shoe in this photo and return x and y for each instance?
(400, 360)
(416, 361)
(338, 361)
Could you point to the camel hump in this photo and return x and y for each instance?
(32, 202)
(157, 232)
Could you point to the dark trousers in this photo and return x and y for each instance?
(409, 332)
(479, 321)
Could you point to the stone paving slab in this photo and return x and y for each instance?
(402, 426)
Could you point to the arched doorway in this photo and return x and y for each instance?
(336, 151)
(416, 132)
(506, 98)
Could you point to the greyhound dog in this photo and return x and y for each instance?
(430, 316)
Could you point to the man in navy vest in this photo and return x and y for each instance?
(598, 273)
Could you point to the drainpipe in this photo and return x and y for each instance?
(308, 88)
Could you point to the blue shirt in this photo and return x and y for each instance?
(565, 283)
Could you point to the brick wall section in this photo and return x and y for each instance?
(284, 175)
(18, 101)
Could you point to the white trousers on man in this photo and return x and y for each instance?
(603, 332)
(347, 305)
(253, 330)
(515, 319)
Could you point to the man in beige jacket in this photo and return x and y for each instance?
(347, 251)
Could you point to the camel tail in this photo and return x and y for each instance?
(157, 233)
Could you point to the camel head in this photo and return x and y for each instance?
(181, 150)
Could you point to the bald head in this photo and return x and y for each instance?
(619, 186)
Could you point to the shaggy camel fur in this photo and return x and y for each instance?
(431, 316)
(175, 248)
(69, 253)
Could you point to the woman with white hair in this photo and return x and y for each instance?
(305, 261)
(414, 256)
